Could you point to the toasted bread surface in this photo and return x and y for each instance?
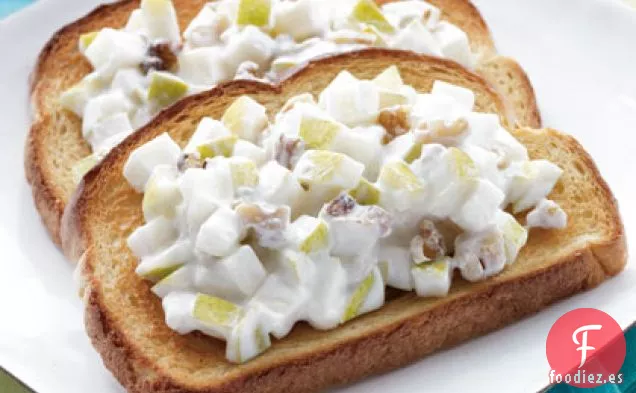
(125, 321)
(55, 141)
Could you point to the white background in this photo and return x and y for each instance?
(581, 58)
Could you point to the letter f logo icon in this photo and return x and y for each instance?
(583, 344)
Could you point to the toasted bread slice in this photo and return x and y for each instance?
(125, 321)
(55, 142)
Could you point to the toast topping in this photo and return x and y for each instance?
(149, 64)
(310, 215)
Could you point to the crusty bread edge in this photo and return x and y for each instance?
(388, 348)
(526, 113)
(47, 200)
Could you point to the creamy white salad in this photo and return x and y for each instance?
(267, 219)
(149, 64)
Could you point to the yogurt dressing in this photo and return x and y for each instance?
(148, 65)
(261, 222)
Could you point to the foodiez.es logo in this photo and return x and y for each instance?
(585, 348)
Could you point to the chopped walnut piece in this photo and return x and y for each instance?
(342, 205)
(442, 132)
(395, 121)
(189, 160)
(288, 150)
(250, 71)
(449, 231)
(160, 57)
(381, 217)
(429, 244)
(426, 15)
(267, 222)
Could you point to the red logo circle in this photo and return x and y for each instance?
(585, 348)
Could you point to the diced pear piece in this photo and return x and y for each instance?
(152, 236)
(514, 234)
(76, 98)
(368, 296)
(278, 186)
(220, 234)
(367, 11)
(451, 176)
(157, 266)
(389, 79)
(159, 273)
(279, 304)
(462, 96)
(283, 64)
(295, 266)
(405, 146)
(245, 149)
(400, 188)
(402, 12)
(547, 214)
(318, 133)
(215, 312)
(162, 193)
(349, 100)
(203, 66)
(464, 166)
(248, 44)
(106, 128)
(86, 40)
(366, 193)
(395, 266)
(207, 130)
(352, 37)
(326, 168)
(454, 44)
(432, 279)
(380, 39)
(222, 146)
(136, 21)
(310, 234)
(300, 19)
(354, 229)
(161, 20)
(247, 339)
(327, 305)
(160, 151)
(215, 181)
(102, 107)
(362, 144)
(166, 88)
(479, 210)
(531, 181)
(253, 12)
(206, 28)
(82, 167)
(244, 172)
(112, 50)
(131, 82)
(245, 269)
(416, 37)
(246, 118)
(179, 281)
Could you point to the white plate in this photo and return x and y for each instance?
(581, 61)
